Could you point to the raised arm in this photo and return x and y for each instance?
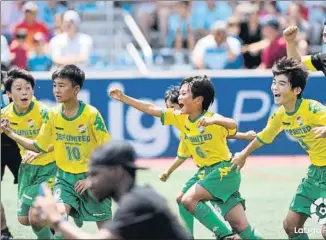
(143, 106)
(290, 35)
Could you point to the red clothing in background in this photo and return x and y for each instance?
(276, 50)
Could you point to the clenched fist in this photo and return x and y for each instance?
(290, 33)
(116, 94)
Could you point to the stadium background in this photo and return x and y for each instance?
(124, 55)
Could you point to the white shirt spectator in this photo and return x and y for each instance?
(213, 56)
(81, 44)
(5, 52)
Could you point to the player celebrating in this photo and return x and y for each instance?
(297, 116)
(75, 129)
(204, 134)
(26, 116)
(172, 101)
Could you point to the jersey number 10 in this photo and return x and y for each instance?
(73, 153)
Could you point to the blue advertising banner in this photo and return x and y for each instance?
(246, 99)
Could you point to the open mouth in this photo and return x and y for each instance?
(277, 95)
(24, 99)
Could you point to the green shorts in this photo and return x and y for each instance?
(29, 179)
(83, 206)
(310, 192)
(221, 184)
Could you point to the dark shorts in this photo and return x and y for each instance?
(10, 157)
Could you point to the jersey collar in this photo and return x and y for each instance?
(80, 111)
(30, 107)
(297, 106)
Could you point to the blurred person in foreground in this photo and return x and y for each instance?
(218, 50)
(71, 46)
(315, 62)
(142, 213)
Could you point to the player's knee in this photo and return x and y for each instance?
(23, 220)
(189, 203)
(289, 227)
(179, 198)
(34, 218)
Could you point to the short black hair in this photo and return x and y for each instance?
(16, 73)
(294, 70)
(201, 86)
(72, 73)
(172, 94)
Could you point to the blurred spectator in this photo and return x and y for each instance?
(180, 29)
(38, 59)
(18, 48)
(145, 16)
(217, 50)
(71, 46)
(58, 24)
(212, 11)
(11, 14)
(164, 10)
(31, 24)
(48, 12)
(268, 8)
(277, 46)
(316, 18)
(250, 32)
(233, 25)
(5, 53)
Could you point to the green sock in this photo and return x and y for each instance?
(208, 218)
(188, 218)
(58, 237)
(300, 236)
(44, 233)
(250, 233)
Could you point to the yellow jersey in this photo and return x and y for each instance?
(308, 114)
(74, 139)
(207, 146)
(28, 125)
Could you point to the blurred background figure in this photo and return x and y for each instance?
(164, 33)
(5, 54)
(19, 48)
(39, 60)
(71, 46)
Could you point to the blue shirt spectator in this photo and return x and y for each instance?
(48, 10)
(39, 60)
(218, 50)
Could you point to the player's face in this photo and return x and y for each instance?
(282, 91)
(186, 99)
(103, 182)
(175, 106)
(21, 93)
(63, 90)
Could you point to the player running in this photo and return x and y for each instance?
(26, 116)
(172, 101)
(204, 134)
(75, 129)
(298, 117)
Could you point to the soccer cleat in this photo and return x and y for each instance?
(78, 221)
(6, 235)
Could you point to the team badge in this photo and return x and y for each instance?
(30, 123)
(82, 128)
(300, 120)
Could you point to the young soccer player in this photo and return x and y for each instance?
(204, 136)
(297, 116)
(10, 158)
(172, 101)
(75, 129)
(26, 116)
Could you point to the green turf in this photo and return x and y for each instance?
(268, 193)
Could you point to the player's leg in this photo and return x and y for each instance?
(233, 211)
(5, 233)
(186, 216)
(194, 200)
(292, 223)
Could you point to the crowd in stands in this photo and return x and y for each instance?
(205, 34)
